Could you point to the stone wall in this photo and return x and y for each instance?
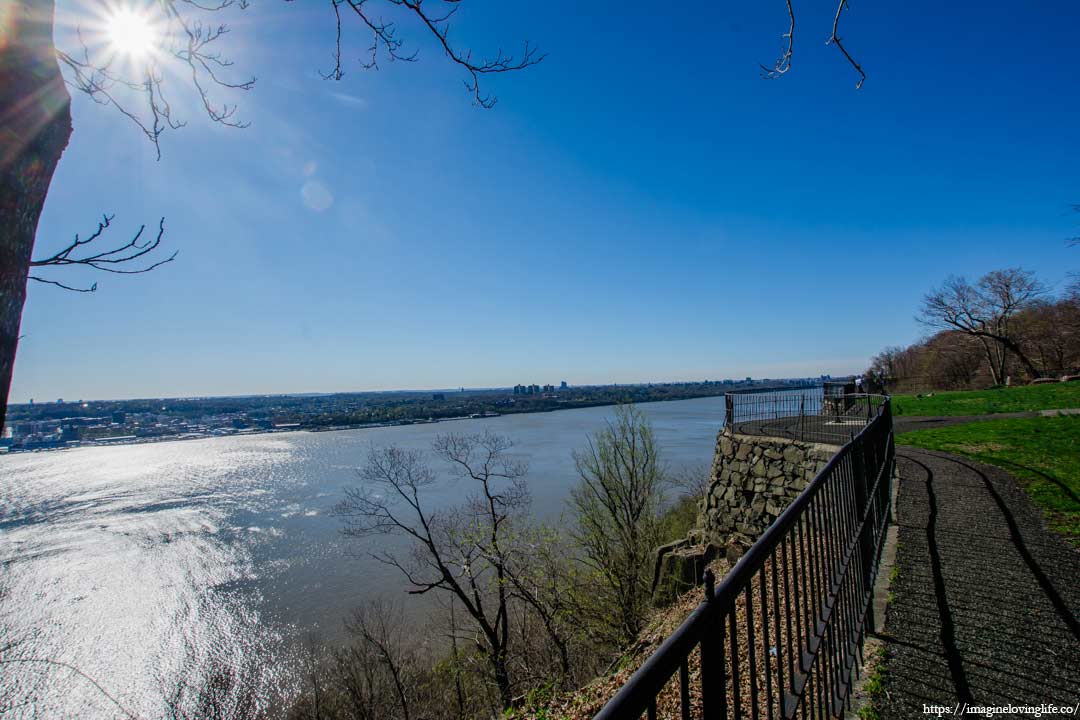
(753, 480)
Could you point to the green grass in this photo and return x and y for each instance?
(1043, 453)
(874, 686)
(985, 402)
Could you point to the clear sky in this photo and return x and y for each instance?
(642, 206)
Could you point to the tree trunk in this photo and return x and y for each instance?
(35, 125)
(502, 679)
(989, 361)
(1024, 360)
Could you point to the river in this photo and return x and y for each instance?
(126, 568)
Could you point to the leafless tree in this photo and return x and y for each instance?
(1072, 290)
(986, 311)
(189, 59)
(379, 628)
(691, 480)
(460, 551)
(378, 675)
(1049, 331)
(617, 504)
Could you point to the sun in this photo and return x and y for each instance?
(131, 33)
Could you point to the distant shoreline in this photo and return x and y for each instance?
(63, 426)
(80, 444)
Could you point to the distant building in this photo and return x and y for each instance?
(563, 385)
(438, 396)
(119, 417)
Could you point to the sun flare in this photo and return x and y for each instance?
(131, 33)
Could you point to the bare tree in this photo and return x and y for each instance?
(187, 59)
(1072, 290)
(618, 503)
(380, 627)
(542, 577)
(986, 311)
(1049, 331)
(692, 480)
(377, 676)
(461, 551)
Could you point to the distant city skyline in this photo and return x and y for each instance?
(622, 215)
(563, 385)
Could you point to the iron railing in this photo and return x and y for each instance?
(781, 636)
(812, 414)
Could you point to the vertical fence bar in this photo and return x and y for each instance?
(684, 690)
(766, 654)
(735, 689)
(751, 650)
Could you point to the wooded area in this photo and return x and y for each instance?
(1006, 328)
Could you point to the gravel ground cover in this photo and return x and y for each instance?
(985, 600)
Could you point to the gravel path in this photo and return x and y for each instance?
(985, 608)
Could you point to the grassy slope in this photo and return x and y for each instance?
(984, 402)
(1043, 453)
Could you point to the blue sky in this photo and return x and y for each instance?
(642, 206)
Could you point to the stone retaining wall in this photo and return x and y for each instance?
(753, 479)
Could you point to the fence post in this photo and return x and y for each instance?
(709, 656)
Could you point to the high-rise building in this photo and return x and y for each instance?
(563, 385)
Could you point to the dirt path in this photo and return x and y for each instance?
(985, 608)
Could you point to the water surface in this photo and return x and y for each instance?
(128, 568)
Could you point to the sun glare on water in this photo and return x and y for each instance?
(131, 33)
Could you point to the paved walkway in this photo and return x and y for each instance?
(986, 605)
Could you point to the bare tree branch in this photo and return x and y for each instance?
(138, 93)
(189, 45)
(117, 260)
(783, 63)
(92, 288)
(835, 39)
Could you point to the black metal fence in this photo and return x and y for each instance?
(811, 414)
(782, 634)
